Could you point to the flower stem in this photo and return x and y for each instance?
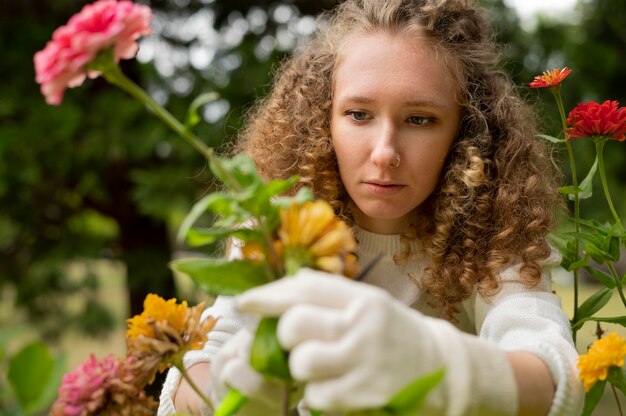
(179, 365)
(115, 76)
(286, 399)
(112, 73)
(599, 152)
(572, 162)
(619, 406)
(618, 283)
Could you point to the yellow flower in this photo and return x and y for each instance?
(163, 332)
(313, 236)
(253, 252)
(605, 353)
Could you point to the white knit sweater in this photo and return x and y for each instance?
(516, 319)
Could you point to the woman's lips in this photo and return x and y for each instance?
(383, 188)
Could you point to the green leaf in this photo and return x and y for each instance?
(192, 114)
(231, 404)
(196, 212)
(275, 188)
(551, 139)
(239, 174)
(595, 238)
(596, 253)
(613, 248)
(601, 277)
(579, 263)
(259, 202)
(603, 228)
(30, 371)
(620, 320)
(411, 398)
(585, 186)
(304, 194)
(231, 213)
(566, 246)
(51, 390)
(593, 396)
(594, 303)
(570, 190)
(220, 276)
(202, 236)
(267, 356)
(617, 377)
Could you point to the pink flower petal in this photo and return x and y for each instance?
(97, 27)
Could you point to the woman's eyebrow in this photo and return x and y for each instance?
(358, 99)
(420, 102)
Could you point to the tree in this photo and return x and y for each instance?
(97, 177)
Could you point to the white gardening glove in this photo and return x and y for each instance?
(355, 347)
(231, 369)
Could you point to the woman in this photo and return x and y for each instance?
(397, 115)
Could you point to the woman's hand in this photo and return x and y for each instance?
(231, 370)
(355, 347)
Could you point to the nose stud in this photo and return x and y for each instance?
(396, 161)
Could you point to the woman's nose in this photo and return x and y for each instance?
(384, 147)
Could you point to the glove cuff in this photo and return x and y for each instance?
(479, 378)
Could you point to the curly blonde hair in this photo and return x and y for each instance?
(496, 198)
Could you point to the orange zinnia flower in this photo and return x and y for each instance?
(597, 120)
(550, 78)
(312, 236)
(605, 353)
(164, 332)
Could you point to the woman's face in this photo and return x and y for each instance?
(393, 97)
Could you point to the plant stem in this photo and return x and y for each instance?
(600, 154)
(112, 73)
(619, 406)
(618, 283)
(115, 76)
(286, 399)
(556, 92)
(179, 365)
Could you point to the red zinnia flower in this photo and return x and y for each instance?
(593, 119)
(550, 78)
(100, 26)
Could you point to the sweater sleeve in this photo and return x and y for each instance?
(532, 320)
(228, 323)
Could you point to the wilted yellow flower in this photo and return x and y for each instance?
(253, 252)
(313, 236)
(603, 354)
(163, 332)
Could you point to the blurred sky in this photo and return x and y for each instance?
(527, 9)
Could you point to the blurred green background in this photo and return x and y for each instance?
(92, 191)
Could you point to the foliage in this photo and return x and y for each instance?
(74, 188)
(32, 373)
(589, 239)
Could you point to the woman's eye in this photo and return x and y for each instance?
(419, 120)
(358, 115)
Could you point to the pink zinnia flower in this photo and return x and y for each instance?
(550, 78)
(596, 120)
(97, 27)
(103, 387)
(83, 391)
